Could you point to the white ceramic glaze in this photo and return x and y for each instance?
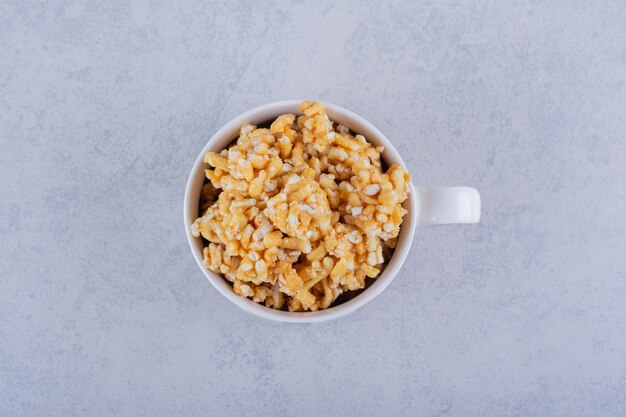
(447, 205)
(426, 206)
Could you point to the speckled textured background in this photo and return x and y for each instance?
(103, 109)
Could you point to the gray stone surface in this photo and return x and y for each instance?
(103, 108)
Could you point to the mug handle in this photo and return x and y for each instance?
(447, 205)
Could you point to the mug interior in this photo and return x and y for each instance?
(265, 113)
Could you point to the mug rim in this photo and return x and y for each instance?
(266, 112)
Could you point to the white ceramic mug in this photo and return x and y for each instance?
(426, 206)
